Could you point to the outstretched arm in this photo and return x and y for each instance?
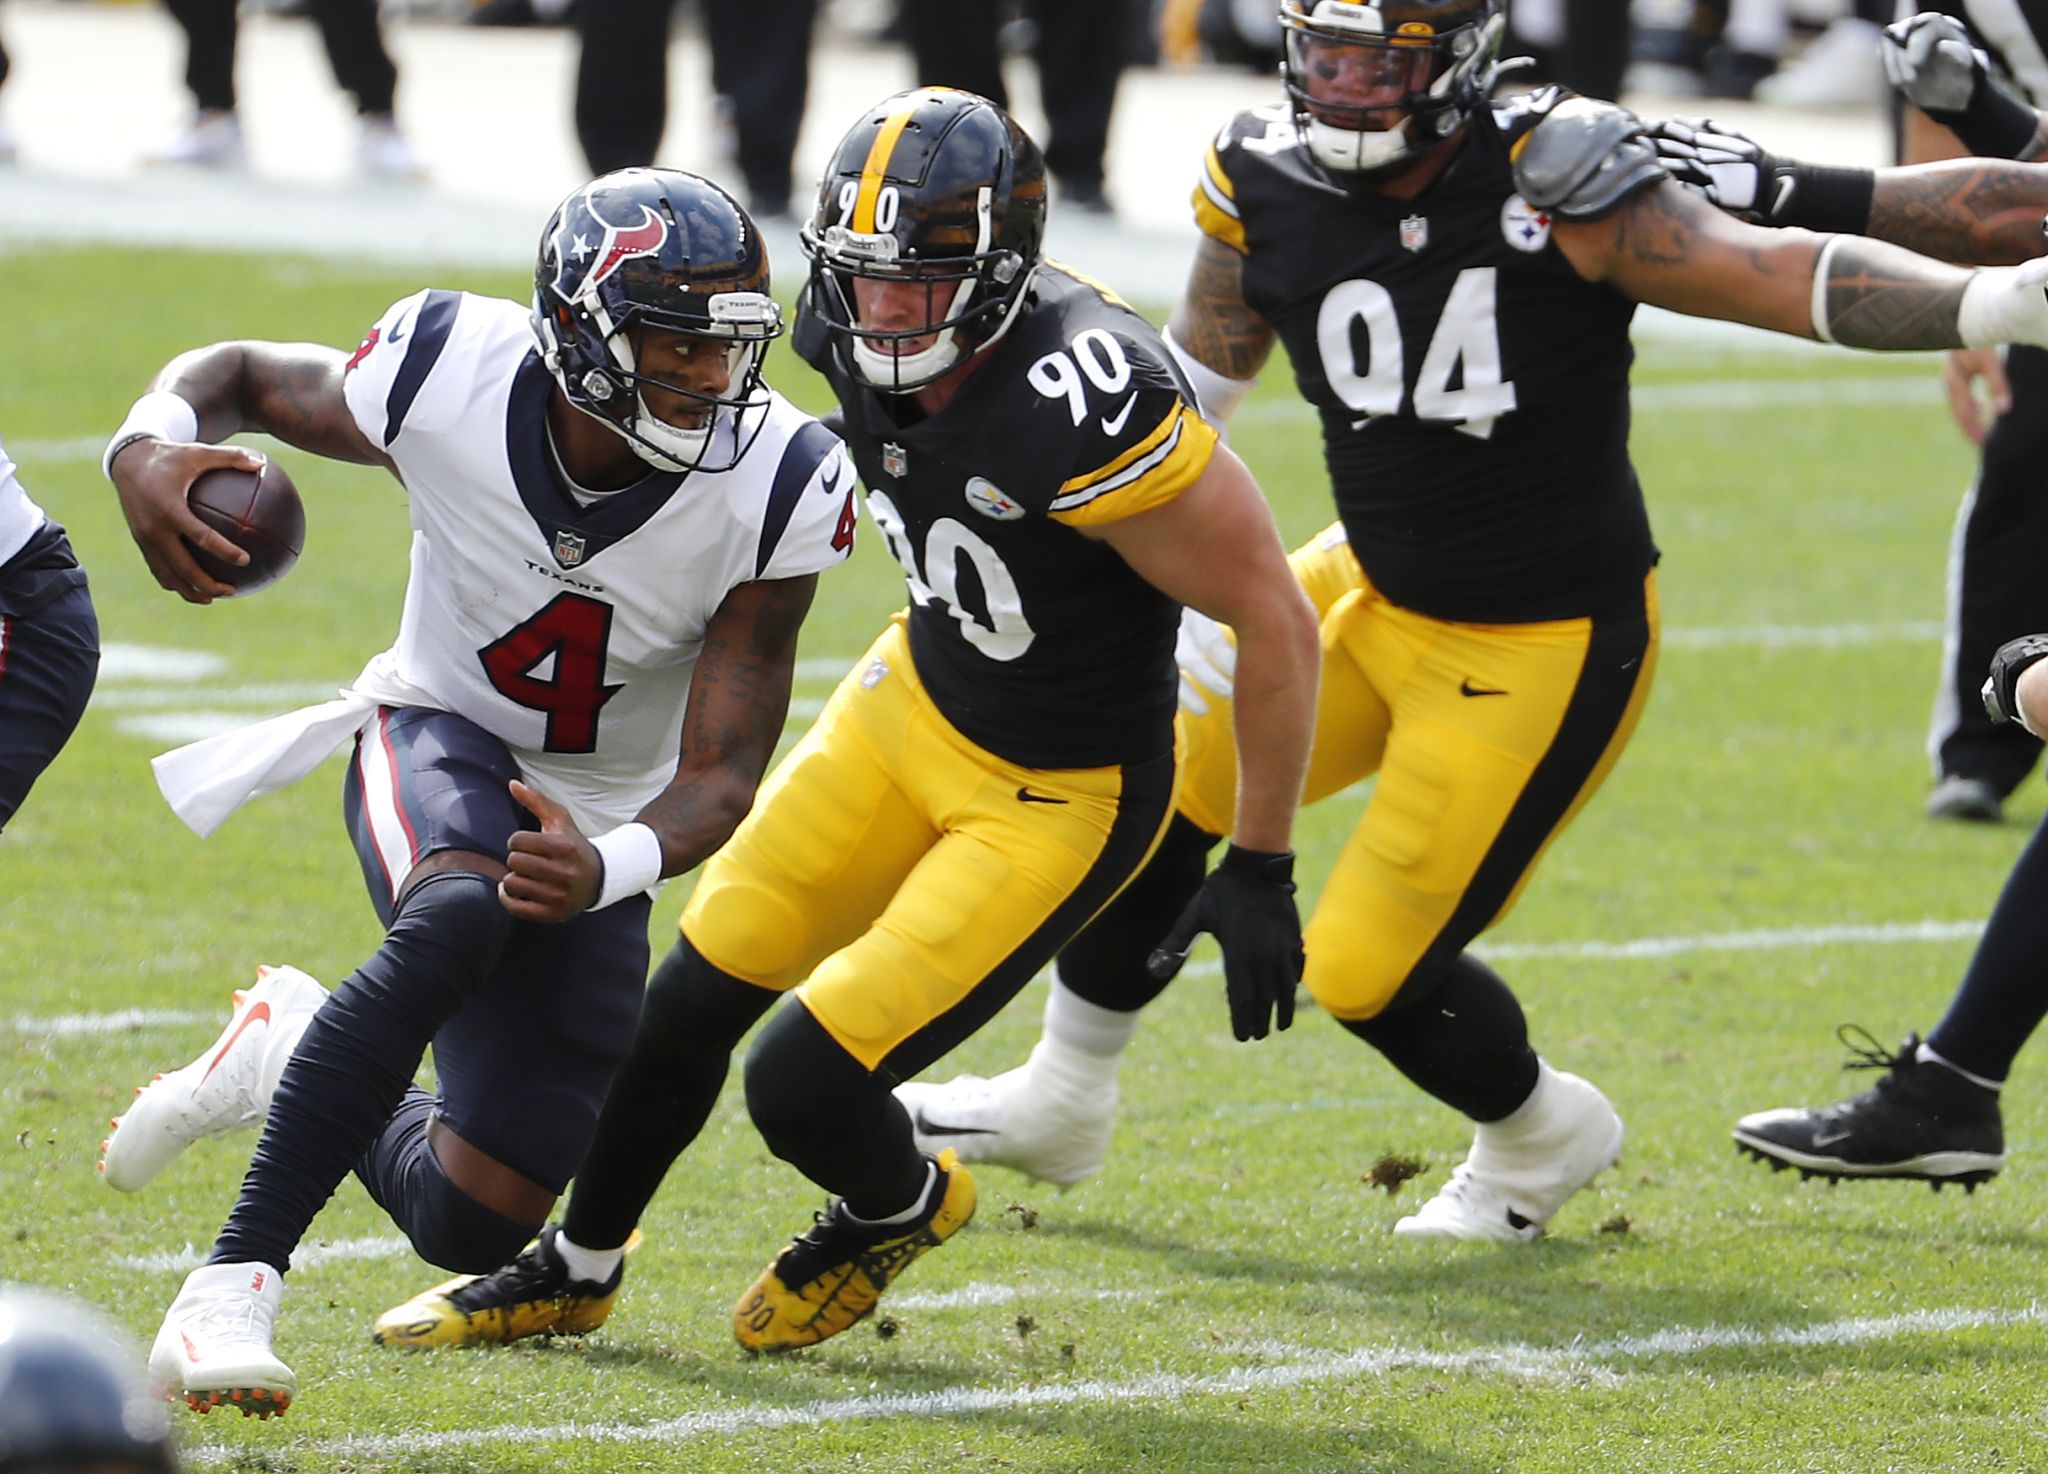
(1668, 247)
(292, 391)
(739, 700)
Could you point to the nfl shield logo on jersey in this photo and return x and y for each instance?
(569, 547)
(894, 460)
(1414, 232)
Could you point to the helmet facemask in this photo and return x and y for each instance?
(969, 299)
(1374, 88)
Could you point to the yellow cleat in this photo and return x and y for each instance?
(832, 1276)
(531, 1296)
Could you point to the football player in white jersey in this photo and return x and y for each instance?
(617, 530)
(49, 641)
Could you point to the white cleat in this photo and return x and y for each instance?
(227, 1087)
(1018, 1119)
(1505, 1192)
(212, 140)
(214, 1346)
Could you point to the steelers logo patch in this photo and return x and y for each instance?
(1525, 227)
(987, 499)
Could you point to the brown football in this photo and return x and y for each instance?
(260, 513)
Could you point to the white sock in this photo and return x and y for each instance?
(1529, 1119)
(594, 1265)
(1082, 1042)
(1927, 1056)
(913, 1212)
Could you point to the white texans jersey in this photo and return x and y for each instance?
(19, 517)
(569, 632)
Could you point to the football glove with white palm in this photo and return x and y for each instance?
(1934, 65)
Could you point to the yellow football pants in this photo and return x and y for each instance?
(907, 882)
(1487, 740)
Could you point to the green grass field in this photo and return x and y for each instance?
(1226, 1295)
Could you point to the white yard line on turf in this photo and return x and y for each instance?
(1783, 939)
(1590, 1359)
(307, 1256)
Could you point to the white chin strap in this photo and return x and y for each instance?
(889, 372)
(1349, 151)
(664, 446)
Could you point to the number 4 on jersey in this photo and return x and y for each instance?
(574, 631)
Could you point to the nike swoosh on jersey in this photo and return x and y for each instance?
(397, 332)
(260, 1011)
(1466, 688)
(1111, 426)
(1026, 796)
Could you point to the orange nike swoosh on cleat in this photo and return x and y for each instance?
(191, 1351)
(262, 1011)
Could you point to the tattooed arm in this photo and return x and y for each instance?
(739, 700)
(1670, 248)
(289, 390)
(1214, 327)
(1986, 211)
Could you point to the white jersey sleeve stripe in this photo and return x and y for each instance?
(430, 329)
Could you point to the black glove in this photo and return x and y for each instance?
(1247, 904)
(2001, 687)
(1736, 174)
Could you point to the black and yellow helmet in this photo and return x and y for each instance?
(935, 186)
(1376, 86)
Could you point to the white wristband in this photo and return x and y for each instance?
(1822, 328)
(632, 863)
(2005, 304)
(158, 415)
(1219, 394)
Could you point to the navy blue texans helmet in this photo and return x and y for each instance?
(936, 186)
(72, 1393)
(656, 248)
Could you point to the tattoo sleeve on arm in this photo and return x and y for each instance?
(1881, 297)
(289, 390)
(1983, 211)
(739, 700)
(1213, 322)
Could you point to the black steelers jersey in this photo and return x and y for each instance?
(1039, 643)
(1473, 388)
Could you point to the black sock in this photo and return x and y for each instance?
(1463, 1039)
(1105, 964)
(2002, 999)
(830, 1117)
(356, 1060)
(693, 1017)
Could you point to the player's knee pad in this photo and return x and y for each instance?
(452, 1230)
(455, 919)
(1105, 964)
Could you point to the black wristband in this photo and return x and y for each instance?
(1275, 867)
(1996, 124)
(1836, 201)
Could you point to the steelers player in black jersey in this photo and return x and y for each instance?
(1453, 280)
(990, 773)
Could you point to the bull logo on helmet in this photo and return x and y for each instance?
(620, 244)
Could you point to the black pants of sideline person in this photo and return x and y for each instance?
(760, 58)
(348, 29)
(1996, 590)
(1080, 55)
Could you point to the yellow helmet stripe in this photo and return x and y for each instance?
(877, 163)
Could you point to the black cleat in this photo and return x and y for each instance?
(1921, 1121)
